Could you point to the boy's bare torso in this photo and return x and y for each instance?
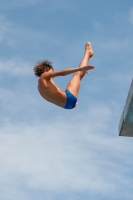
(51, 92)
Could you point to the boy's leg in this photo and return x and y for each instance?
(74, 84)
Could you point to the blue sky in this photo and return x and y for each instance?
(47, 152)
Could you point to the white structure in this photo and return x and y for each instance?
(126, 121)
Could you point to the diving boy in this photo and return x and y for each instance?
(51, 92)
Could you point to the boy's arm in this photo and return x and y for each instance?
(65, 72)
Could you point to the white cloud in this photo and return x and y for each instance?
(131, 16)
(15, 37)
(15, 4)
(15, 67)
(115, 45)
(9, 32)
(98, 26)
(61, 5)
(4, 28)
(79, 154)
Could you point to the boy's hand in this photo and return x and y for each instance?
(86, 68)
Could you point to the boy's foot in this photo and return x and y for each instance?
(88, 49)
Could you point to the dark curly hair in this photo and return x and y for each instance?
(42, 66)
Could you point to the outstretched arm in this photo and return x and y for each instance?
(65, 72)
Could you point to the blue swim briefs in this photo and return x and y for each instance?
(71, 100)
